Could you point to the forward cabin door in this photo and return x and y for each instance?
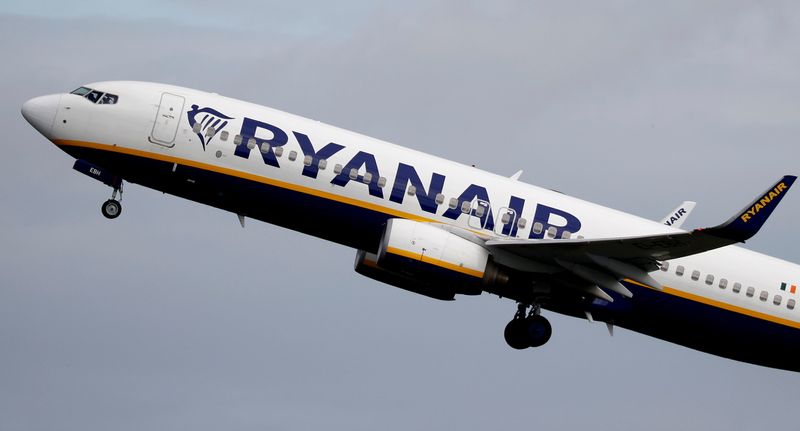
(165, 127)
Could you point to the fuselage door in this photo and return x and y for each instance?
(479, 213)
(504, 223)
(165, 127)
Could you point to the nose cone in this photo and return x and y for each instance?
(41, 112)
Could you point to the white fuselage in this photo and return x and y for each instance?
(379, 182)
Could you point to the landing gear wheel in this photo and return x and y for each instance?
(515, 334)
(527, 329)
(111, 209)
(537, 330)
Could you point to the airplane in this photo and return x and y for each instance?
(440, 228)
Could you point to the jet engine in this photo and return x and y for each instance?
(425, 258)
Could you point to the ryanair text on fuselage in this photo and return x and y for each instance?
(369, 173)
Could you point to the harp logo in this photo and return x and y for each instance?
(206, 123)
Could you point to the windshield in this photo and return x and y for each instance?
(96, 96)
(81, 91)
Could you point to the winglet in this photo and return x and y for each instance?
(750, 219)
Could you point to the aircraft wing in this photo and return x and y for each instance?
(598, 260)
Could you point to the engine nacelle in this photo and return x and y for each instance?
(367, 265)
(429, 260)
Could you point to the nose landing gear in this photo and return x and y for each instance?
(112, 208)
(531, 330)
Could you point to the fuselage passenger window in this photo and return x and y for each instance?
(777, 300)
(737, 287)
(695, 275)
(750, 292)
(723, 283)
(679, 270)
(709, 279)
(790, 304)
(763, 296)
(665, 266)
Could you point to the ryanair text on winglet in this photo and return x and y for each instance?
(763, 202)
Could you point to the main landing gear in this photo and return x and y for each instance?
(527, 329)
(112, 208)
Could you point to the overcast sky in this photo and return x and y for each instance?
(174, 317)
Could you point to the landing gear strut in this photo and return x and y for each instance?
(112, 208)
(529, 329)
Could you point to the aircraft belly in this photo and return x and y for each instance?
(711, 329)
(672, 318)
(345, 224)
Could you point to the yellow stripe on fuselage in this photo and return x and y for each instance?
(719, 304)
(435, 262)
(244, 175)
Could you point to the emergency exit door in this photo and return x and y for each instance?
(165, 127)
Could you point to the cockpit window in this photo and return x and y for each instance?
(97, 97)
(108, 99)
(94, 96)
(82, 91)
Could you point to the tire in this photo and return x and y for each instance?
(111, 209)
(515, 334)
(537, 330)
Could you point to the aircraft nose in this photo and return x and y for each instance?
(40, 112)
